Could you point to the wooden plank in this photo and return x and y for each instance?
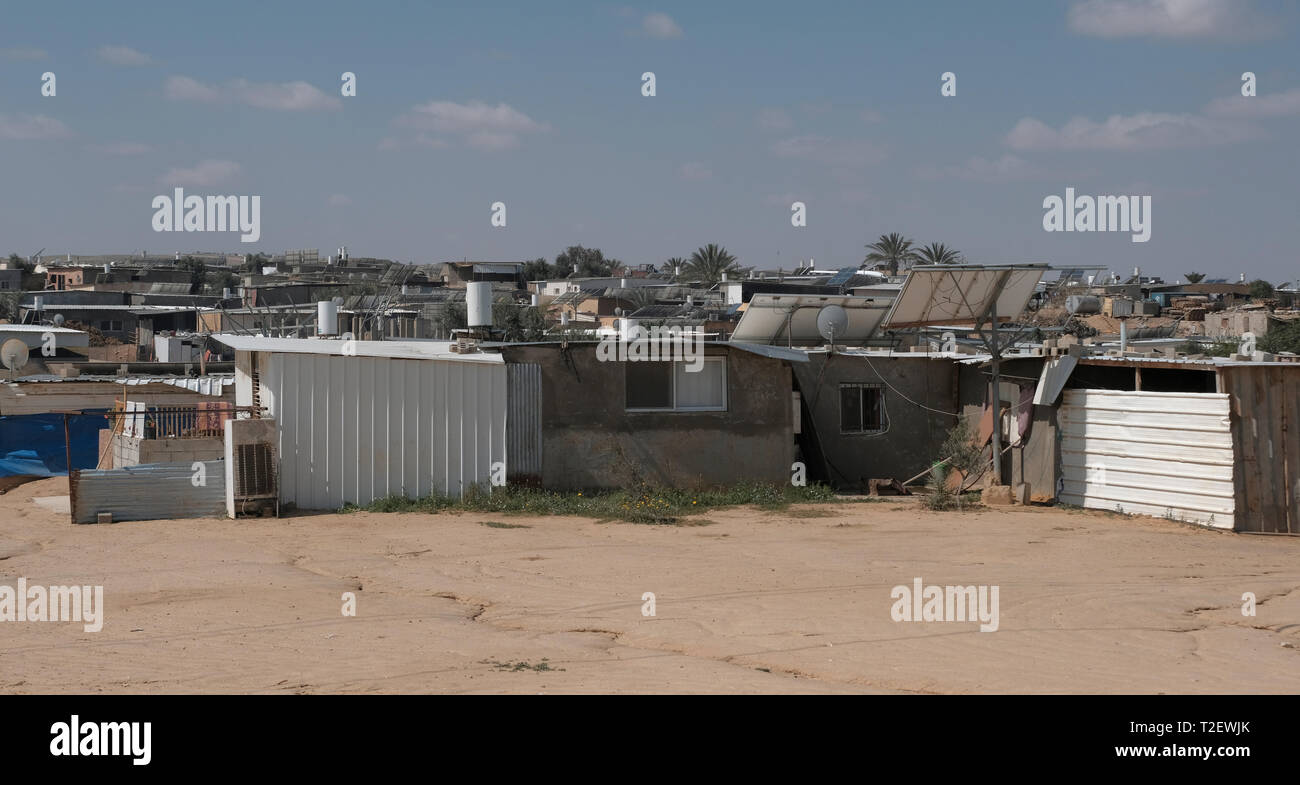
(1240, 385)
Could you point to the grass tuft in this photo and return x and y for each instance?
(643, 504)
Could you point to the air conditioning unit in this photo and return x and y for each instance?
(252, 484)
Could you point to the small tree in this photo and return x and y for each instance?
(9, 305)
(452, 316)
(1282, 338)
(958, 453)
(1194, 277)
(1261, 289)
(198, 272)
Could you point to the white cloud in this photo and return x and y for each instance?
(32, 126)
(424, 140)
(492, 140)
(478, 124)
(694, 170)
(774, 119)
(23, 53)
(833, 152)
(1142, 131)
(1006, 168)
(1231, 19)
(120, 148)
(660, 26)
(204, 173)
(123, 55)
(451, 117)
(1283, 104)
(339, 200)
(284, 96)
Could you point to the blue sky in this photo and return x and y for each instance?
(758, 104)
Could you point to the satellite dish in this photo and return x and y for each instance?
(13, 353)
(58, 320)
(832, 322)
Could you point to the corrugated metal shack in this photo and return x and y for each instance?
(358, 421)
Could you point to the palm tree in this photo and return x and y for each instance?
(1194, 277)
(709, 263)
(639, 297)
(938, 253)
(892, 249)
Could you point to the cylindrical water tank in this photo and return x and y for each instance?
(1082, 303)
(535, 300)
(327, 318)
(478, 303)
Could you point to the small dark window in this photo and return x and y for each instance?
(649, 385)
(862, 408)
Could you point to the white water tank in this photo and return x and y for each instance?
(478, 303)
(327, 318)
(1082, 304)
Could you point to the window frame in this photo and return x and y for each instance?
(720, 360)
(884, 417)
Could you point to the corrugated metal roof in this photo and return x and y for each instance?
(398, 350)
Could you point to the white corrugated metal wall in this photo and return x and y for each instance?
(356, 429)
(1149, 453)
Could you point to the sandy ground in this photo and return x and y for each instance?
(752, 602)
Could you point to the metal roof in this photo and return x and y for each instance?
(398, 350)
(38, 328)
(775, 352)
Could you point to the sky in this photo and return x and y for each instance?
(540, 106)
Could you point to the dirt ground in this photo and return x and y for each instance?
(746, 602)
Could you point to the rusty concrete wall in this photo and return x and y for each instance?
(590, 441)
(913, 434)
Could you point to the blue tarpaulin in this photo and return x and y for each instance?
(34, 443)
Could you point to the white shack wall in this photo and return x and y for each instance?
(357, 429)
(1150, 453)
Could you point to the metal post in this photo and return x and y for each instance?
(996, 381)
(996, 403)
(67, 446)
